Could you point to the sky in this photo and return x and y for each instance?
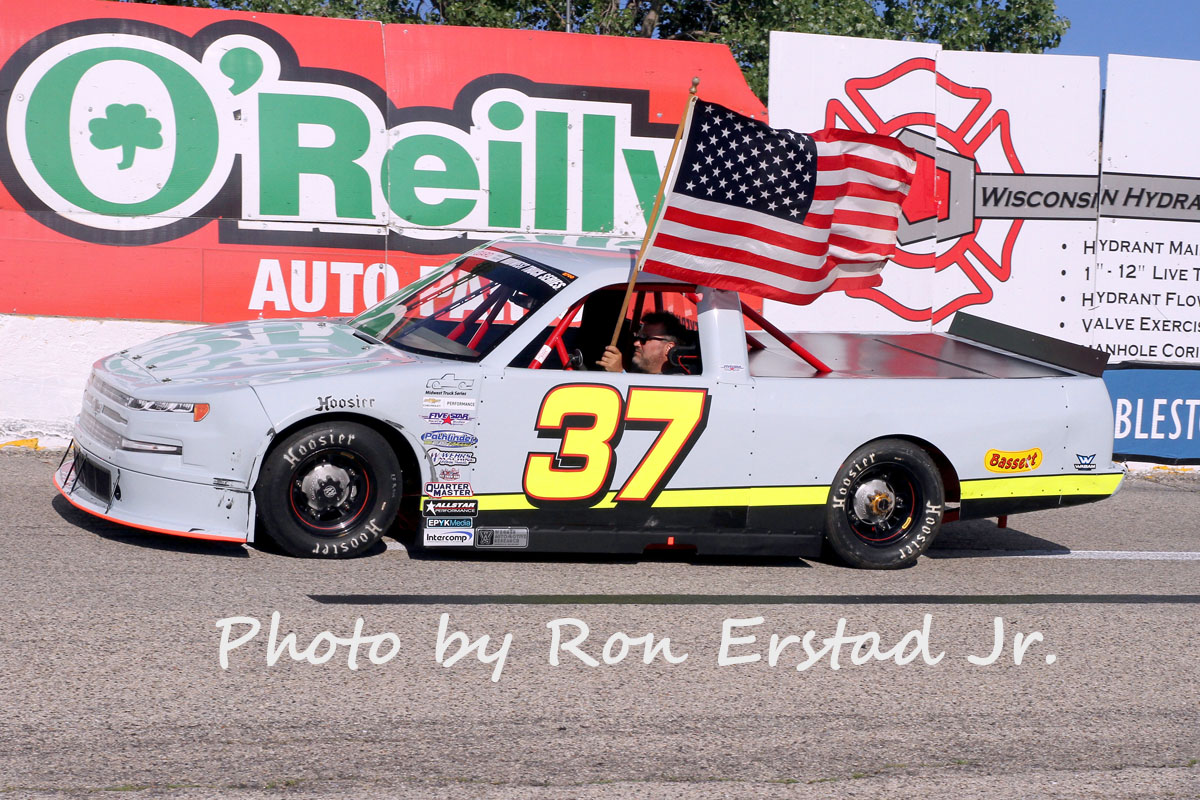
(1162, 28)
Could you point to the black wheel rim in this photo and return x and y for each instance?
(883, 503)
(329, 491)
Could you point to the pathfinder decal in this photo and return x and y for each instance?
(449, 438)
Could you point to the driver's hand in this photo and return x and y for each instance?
(611, 360)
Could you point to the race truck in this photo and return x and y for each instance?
(468, 411)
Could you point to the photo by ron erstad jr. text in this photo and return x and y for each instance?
(738, 642)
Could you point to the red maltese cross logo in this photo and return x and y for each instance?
(940, 206)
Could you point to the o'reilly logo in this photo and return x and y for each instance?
(128, 131)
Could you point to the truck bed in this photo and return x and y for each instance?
(899, 355)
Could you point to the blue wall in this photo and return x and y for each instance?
(1157, 412)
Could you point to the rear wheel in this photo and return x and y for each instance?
(329, 490)
(885, 506)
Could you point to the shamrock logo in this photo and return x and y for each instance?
(128, 128)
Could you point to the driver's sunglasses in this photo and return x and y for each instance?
(643, 338)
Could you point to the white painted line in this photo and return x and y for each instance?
(1115, 555)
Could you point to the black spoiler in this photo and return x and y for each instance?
(1075, 357)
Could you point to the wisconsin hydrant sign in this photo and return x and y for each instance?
(1006, 192)
(1016, 217)
(206, 165)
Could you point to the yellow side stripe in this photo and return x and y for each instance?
(764, 496)
(688, 498)
(1031, 486)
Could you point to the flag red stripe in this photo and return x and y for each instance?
(737, 255)
(754, 287)
(735, 227)
(863, 219)
(852, 189)
(883, 169)
(830, 135)
(779, 239)
(863, 246)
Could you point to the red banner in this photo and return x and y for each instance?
(185, 164)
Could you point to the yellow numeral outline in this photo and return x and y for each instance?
(589, 420)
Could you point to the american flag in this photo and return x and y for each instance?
(776, 213)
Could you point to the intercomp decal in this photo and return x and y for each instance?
(132, 133)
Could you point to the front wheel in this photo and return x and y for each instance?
(329, 490)
(885, 505)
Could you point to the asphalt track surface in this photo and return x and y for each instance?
(112, 684)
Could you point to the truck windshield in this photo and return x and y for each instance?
(464, 309)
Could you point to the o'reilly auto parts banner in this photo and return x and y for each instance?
(203, 165)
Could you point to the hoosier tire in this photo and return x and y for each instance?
(885, 505)
(329, 490)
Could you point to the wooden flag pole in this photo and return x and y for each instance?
(662, 186)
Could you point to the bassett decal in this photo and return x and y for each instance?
(1021, 461)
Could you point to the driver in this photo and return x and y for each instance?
(659, 334)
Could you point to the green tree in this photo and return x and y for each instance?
(1018, 26)
(381, 10)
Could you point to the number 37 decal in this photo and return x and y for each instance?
(589, 419)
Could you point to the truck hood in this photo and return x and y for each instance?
(257, 349)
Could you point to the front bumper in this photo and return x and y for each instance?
(153, 503)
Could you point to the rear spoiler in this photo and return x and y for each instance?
(1039, 347)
